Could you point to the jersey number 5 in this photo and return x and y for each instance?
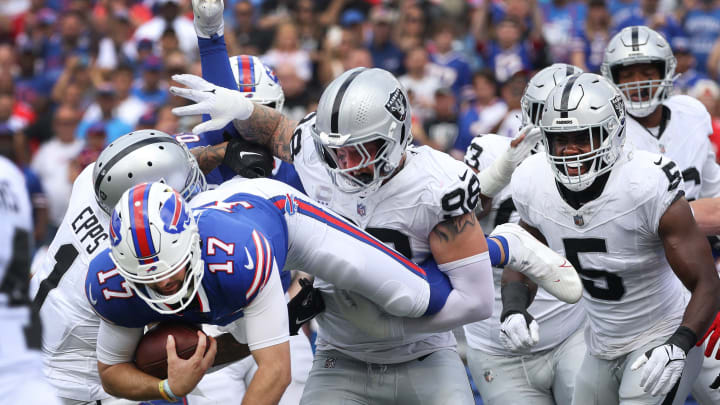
(599, 284)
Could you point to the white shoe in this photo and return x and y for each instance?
(208, 18)
(540, 264)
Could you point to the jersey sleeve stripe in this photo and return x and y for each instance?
(268, 262)
(259, 266)
(321, 215)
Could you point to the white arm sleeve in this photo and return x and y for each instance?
(116, 344)
(265, 320)
(471, 299)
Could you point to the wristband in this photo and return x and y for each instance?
(166, 392)
(163, 394)
(683, 338)
(515, 300)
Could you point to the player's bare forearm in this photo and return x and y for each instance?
(688, 252)
(707, 215)
(209, 157)
(272, 377)
(457, 238)
(124, 380)
(270, 128)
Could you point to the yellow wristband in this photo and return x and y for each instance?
(162, 391)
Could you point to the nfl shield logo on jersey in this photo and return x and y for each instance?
(361, 210)
(579, 221)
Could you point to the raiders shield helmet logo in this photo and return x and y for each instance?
(619, 108)
(397, 105)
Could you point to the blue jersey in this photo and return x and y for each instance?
(241, 237)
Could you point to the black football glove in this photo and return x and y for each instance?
(248, 159)
(304, 306)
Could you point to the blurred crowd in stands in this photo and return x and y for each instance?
(77, 74)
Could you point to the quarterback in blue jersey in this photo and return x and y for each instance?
(219, 264)
(216, 265)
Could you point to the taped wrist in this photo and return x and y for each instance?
(496, 176)
(683, 338)
(515, 300)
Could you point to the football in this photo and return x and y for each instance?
(151, 355)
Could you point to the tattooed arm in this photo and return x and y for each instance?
(209, 157)
(255, 122)
(457, 245)
(269, 128)
(457, 238)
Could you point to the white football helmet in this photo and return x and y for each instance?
(635, 45)
(153, 236)
(538, 88)
(141, 156)
(359, 107)
(584, 105)
(257, 81)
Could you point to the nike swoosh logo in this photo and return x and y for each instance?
(242, 154)
(210, 91)
(302, 321)
(92, 300)
(250, 264)
(464, 175)
(658, 162)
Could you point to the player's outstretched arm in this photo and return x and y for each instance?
(258, 123)
(688, 252)
(121, 378)
(496, 176)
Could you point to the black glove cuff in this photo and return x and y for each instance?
(248, 159)
(515, 300)
(683, 338)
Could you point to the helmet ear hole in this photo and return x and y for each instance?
(402, 134)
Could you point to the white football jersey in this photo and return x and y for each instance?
(631, 294)
(557, 319)
(70, 324)
(685, 141)
(15, 215)
(431, 187)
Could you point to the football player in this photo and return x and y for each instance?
(167, 263)
(404, 215)
(620, 216)
(519, 364)
(259, 83)
(641, 64)
(70, 323)
(365, 174)
(21, 377)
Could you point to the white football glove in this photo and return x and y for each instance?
(663, 367)
(496, 176)
(517, 335)
(223, 105)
